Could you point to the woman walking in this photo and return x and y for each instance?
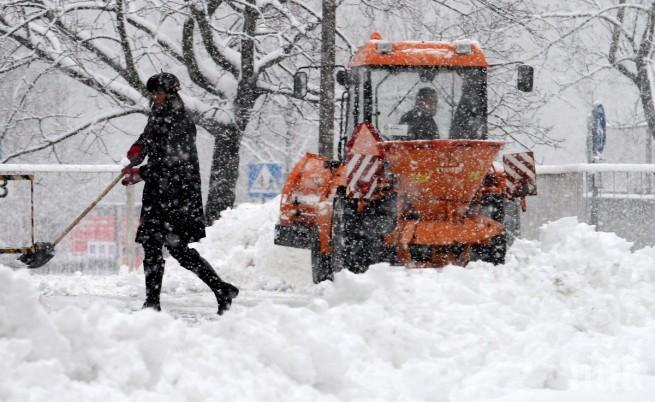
(171, 209)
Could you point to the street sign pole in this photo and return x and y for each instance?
(590, 188)
(593, 212)
(594, 200)
(598, 134)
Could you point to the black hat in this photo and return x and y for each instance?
(166, 82)
(426, 92)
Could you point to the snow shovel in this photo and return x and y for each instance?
(42, 252)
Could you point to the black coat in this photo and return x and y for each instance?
(171, 210)
(421, 125)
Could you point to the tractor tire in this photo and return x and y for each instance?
(493, 206)
(321, 265)
(348, 245)
(493, 252)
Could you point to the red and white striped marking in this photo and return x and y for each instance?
(361, 173)
(521, 173)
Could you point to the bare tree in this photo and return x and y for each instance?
(26, 105)
(234, 53)
(607, 36)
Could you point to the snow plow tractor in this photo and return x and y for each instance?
(414, 181)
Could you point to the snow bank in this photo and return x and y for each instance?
(570, 317)
(241, 246)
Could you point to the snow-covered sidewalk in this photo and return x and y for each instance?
(570, 317)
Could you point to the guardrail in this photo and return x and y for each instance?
(621, 195)
(615, 197)
(595, 168)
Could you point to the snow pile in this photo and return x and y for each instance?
(241, 246)
(570, 317)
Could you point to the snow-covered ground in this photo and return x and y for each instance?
(570, 317)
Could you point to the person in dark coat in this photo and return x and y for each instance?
(420, 120)
(172, 210)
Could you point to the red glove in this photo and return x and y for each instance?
(132, 176)
(134, 153)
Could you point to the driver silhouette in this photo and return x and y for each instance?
(420, 120)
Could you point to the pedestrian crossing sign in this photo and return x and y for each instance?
(264, 179)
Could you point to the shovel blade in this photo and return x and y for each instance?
(42, 254)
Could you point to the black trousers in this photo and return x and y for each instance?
(153, 267)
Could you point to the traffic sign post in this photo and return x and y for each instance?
(598, 136)
(264, 180)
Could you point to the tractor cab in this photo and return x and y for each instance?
(418, 103)
(416, 90)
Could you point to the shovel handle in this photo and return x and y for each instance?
(89, 208)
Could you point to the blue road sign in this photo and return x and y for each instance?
(598, 129)
(264, 179)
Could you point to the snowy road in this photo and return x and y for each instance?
(191, 306)
(570, 317)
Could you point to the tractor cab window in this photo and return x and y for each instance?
(429, 103)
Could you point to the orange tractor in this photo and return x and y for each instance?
(414, 181)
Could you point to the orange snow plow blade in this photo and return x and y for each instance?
(439, 177)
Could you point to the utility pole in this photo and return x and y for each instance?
(326, 113)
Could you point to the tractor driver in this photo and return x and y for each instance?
(420, 120)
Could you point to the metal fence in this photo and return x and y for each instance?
(616, 198)
(101, 243)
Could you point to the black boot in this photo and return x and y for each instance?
(153, 268)
(154, 276)
(223, 291)
(150, 304)
(190, 259)
(227, 293)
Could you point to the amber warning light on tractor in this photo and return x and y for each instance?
(382, 47)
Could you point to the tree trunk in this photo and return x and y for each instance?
(648, 106)
(647, 102)
(224, 172)
(225, 160)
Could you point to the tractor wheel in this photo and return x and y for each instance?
(348, 251)
(494, 252)
(321, 264)
(492, 206)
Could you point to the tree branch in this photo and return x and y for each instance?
(68, 68)
(647, 38)
(131, 73)
(50, 143)
(208, 41)
(614, 45)
(188, 51)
